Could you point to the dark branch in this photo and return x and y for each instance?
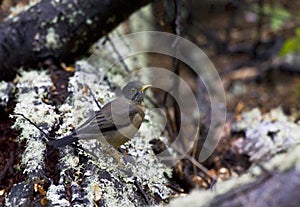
(61, 31)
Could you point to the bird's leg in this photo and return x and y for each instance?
(116, 156)
(113, 152)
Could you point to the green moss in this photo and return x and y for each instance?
(291, 45)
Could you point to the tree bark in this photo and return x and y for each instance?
(276, 189)
(60, 30)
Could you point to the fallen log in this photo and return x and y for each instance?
(58, 30)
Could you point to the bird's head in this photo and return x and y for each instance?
(135, 91)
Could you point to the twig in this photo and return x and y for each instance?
(118, 54)
(177, 31)
(174, 126)
(144, 195)
(27, 119)
(93, 95)
(201, 167)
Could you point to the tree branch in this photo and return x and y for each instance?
(60, 30)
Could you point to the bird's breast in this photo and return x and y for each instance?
(124, 133)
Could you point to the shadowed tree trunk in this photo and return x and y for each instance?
(61, 30)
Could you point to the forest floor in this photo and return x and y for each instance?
(247, 86)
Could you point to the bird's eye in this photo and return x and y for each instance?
(133, 90)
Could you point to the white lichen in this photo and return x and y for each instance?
(29, 103)
(251, 118)
(139, 164)
(21, 8)
(268, 134)
(5, 89)
(89, 21)
(69, 160)
(94, 192)
(33, 157)
(54, 197)
(53, 40)
(146, 166)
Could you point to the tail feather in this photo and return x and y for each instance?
(63, 141)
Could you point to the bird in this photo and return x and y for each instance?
(115, 123)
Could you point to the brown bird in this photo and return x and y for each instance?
(115, 123)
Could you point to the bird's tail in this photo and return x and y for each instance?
(63, 141)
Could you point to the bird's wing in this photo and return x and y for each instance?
(119, 113)
(112, 116)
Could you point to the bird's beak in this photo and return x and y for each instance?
(145, 87)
